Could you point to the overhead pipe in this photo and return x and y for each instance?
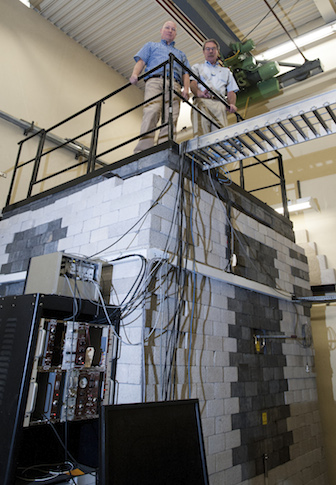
(30, 128)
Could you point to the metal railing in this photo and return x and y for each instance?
(88, 158)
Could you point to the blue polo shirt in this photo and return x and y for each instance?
(154, 53)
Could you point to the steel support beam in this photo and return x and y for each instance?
(209, 22)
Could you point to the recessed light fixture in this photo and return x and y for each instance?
(26, 3)
(297, 205)
(301, 41)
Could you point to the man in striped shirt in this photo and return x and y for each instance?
(218, 78)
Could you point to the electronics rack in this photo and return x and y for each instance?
(56, 369)
(64, 274)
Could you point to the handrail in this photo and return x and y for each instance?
(90, 156)
(278, 156)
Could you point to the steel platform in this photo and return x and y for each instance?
(297, 123)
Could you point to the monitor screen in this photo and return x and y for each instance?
(152, 443)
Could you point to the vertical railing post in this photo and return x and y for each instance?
(37, 162)
(14, 174)
(163, 115)
(282, 185)
(171, 88)
(241, 172)
(94, 139)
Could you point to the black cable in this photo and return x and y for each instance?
(180, 274)
(172, 340)
(284, 28)
(170, 345)
(50, 471)
(68, 454)
(260, 21)
(137, 222)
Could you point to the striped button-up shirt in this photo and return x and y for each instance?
(219, 79)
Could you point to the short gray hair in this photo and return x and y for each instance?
(211, 40)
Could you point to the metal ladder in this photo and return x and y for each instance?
(293, 124)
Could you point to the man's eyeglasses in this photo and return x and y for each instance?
(210, 48)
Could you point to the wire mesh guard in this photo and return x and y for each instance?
(293, 124)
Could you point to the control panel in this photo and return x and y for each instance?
(65, 275)
(71, 373)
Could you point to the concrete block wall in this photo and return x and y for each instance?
(319, 272)
(237, 386)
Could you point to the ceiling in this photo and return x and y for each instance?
(114, 30)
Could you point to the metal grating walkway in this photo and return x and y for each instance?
(293, 124)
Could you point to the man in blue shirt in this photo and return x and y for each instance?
(151, 55)
(218, 78)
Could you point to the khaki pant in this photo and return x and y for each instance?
(152, 112)
(214, 109)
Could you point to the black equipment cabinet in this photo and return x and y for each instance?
(20, 318)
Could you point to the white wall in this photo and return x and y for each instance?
(46, 77)
(321, 224)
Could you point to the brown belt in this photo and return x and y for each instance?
(161, 77)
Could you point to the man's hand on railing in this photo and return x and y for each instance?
(140, 64)
(233, 108)
(231, 99)
(203, 94)
(133, 79)
(185, 94)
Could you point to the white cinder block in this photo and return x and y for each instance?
(88, 249)
(113, 194)
(65, 244)
(216, 444)
(214, 374)
(230, 345)
(328, 276)
(75, 228)
(215, 407)
(220, 329)
(230, 374)
(100, 234)
(27, 224)
(128, 393)
(91, 223)
(301, 236)
(129, 354)
(222, 359)
(205, 358)
(310, 248)
(81, 239)
(231, 405)
(134, 374)
(129, 213)
(3, 257)
(109, 218)
(223, 461)
(232, 439)
(122, 372)
(213, 343)
(322, 261)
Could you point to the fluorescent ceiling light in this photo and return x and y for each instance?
(301, 41)
(297, 205)
(26, 2)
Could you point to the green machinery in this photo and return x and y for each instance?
(255, 80)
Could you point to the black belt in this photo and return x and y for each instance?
(211, 97)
